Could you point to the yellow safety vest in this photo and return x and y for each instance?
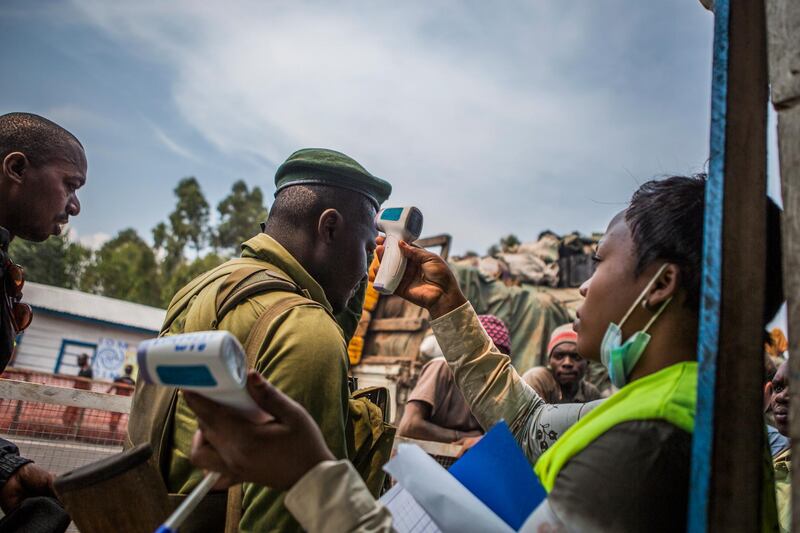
(669, 394)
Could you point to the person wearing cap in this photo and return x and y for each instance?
(563, 381)
(320, 236)
(436, 409)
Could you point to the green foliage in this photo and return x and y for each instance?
(168, 247)
(56, 261)
(189, 221)
(493, 250)
(125, 268)
(240, 213)
(186, 272)
(128, 268)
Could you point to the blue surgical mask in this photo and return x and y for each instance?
(620, 357)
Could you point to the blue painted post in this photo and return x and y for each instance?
(728, 446)
(711, 289)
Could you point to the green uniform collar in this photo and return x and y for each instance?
(264, 247)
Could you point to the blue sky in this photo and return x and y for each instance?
(492, 117)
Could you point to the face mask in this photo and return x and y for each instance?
(620, 358)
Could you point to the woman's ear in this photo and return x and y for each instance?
(665, 287)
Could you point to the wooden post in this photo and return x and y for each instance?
(121, 493)
(727, 461)
(783, 26)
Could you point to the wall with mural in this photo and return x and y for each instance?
(54, 341)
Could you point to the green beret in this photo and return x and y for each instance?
(328, 167)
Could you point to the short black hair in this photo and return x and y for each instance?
(665, 218)
(41, 140)
(299, 206)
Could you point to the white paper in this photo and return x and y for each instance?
(451, 506)
(407, 515)
(543, 519)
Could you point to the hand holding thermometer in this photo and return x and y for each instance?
(399, 224)
(210, 363)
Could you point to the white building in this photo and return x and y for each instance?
(67, 323)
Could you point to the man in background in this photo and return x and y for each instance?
(43, 166)
(125, 379)
(782, 459)
(72, 415)
(436, 408)
(563, 381)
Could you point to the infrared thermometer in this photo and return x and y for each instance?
(399, 224)
(210, 363)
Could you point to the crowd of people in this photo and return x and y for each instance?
(611, 460)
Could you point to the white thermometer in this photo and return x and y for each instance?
(399, 224)
(210, 363)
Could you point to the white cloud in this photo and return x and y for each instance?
(92, 241)
(491, 120)
(171, 144)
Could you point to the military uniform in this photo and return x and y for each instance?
(304, 355)
(304, 351)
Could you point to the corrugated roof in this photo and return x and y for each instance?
(92, 306)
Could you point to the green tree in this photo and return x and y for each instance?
(186, 272)
(56, 261)
(240, 213)
(189, 221)
(493, 250)
(168, 249)
(125, 268)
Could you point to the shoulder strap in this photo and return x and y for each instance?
(233, 511)
(252, 345)
(256, 336)
(184, 296)
(248, 281)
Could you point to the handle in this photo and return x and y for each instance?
(393, 266)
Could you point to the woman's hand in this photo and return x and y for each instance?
(428, 281)
(276, 453)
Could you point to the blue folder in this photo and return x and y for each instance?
(497, 472)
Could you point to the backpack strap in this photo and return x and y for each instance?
(189, 292)
(248, 281)
(233, 509)
(252, 346)
(255, 338)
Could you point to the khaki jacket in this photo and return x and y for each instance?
(304, 355)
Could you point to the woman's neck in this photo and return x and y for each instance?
(671, 342)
